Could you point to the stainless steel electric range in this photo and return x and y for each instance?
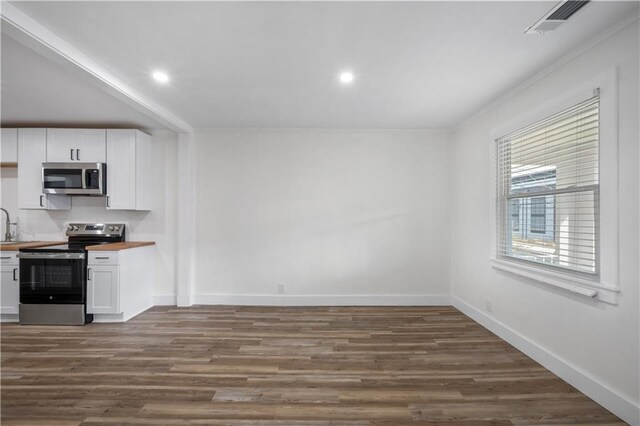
(53, 280)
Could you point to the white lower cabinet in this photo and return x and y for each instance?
(119, 283)
(9, 284)
(103, 290)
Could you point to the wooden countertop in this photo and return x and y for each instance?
(30, 244)
(120, 246)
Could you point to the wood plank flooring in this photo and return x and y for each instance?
(281, 366)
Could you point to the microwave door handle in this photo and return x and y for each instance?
(84, 178)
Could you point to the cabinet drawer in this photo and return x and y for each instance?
(9, 258)
(103, 258)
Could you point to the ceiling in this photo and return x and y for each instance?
(275, 64)
(37, 91)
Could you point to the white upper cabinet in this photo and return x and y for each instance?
(32, 152)
(9, 147)
(93, 146)
(127, 153)
(128, 170)
(61, 145)
(71, 145)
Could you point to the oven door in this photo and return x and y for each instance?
(52, 278)
(74, 178)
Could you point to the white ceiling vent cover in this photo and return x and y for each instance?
(556, 16)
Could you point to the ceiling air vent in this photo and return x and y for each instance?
(556, 16)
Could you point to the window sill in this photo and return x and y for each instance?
(571, 284)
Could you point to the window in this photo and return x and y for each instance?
(548, 190)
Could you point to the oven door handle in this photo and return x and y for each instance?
(51, 255)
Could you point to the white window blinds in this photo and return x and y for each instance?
(548, 190)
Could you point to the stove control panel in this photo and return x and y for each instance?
(106, 229)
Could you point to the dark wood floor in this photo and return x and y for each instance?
(284, 366)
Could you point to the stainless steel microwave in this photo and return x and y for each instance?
(74, 178)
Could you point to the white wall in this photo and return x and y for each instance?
(595, 339)
(158, 225)
(329, 214)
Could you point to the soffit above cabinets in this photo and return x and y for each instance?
(37, 92)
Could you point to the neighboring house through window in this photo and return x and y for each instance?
(538, 215)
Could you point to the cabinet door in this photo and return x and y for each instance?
(9, 147)
(144, 175)
(32, 152)
(121, 169)
(62, 145)
(92, 147)
(103, 290)
(9, 289)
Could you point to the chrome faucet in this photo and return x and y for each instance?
(8, 236)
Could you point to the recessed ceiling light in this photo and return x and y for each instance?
(346, 77)
(160, 77)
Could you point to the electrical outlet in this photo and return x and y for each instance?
(280, 288)
(488, 305)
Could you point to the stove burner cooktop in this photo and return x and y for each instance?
(82, 235)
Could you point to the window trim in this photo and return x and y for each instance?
(605, 283)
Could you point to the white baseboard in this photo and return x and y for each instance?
(617, 404)
(108, 318)
(9, 318)
(164, 300)
(322, 300)
(122, 317)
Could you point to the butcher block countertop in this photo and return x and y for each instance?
(29, 244)
(120, 246)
